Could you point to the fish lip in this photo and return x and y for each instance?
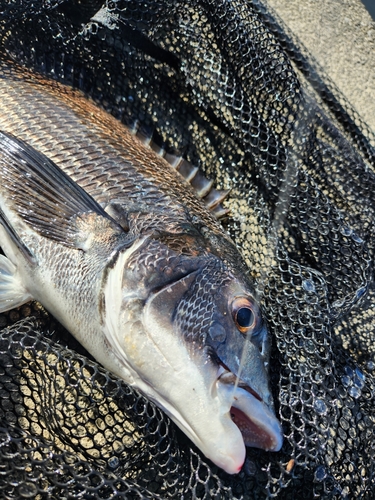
(255, 419)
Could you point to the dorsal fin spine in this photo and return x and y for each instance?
(212, 198)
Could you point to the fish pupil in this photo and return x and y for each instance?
(245, 317)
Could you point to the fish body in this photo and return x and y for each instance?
(118, 247)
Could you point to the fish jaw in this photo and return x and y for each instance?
(256, 420)
(252, 408)
(185, 389)
(198, 412)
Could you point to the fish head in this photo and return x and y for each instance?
(197, 345)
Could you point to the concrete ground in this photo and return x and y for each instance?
(370, 6)
(340, 34)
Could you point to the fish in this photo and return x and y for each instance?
(130, 257)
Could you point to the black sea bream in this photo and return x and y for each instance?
(116, 244)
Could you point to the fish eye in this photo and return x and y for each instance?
(244, 314)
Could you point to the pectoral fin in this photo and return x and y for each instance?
(48, 200)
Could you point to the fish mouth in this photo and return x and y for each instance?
(255, 419)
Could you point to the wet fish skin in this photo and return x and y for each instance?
(149, 285)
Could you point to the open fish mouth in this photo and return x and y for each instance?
(258, 425)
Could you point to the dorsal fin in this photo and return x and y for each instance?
(201, 184)
(220, 212)
(211, 197)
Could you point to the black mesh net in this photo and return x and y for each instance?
(224, 83)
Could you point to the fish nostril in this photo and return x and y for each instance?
(217, 332)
